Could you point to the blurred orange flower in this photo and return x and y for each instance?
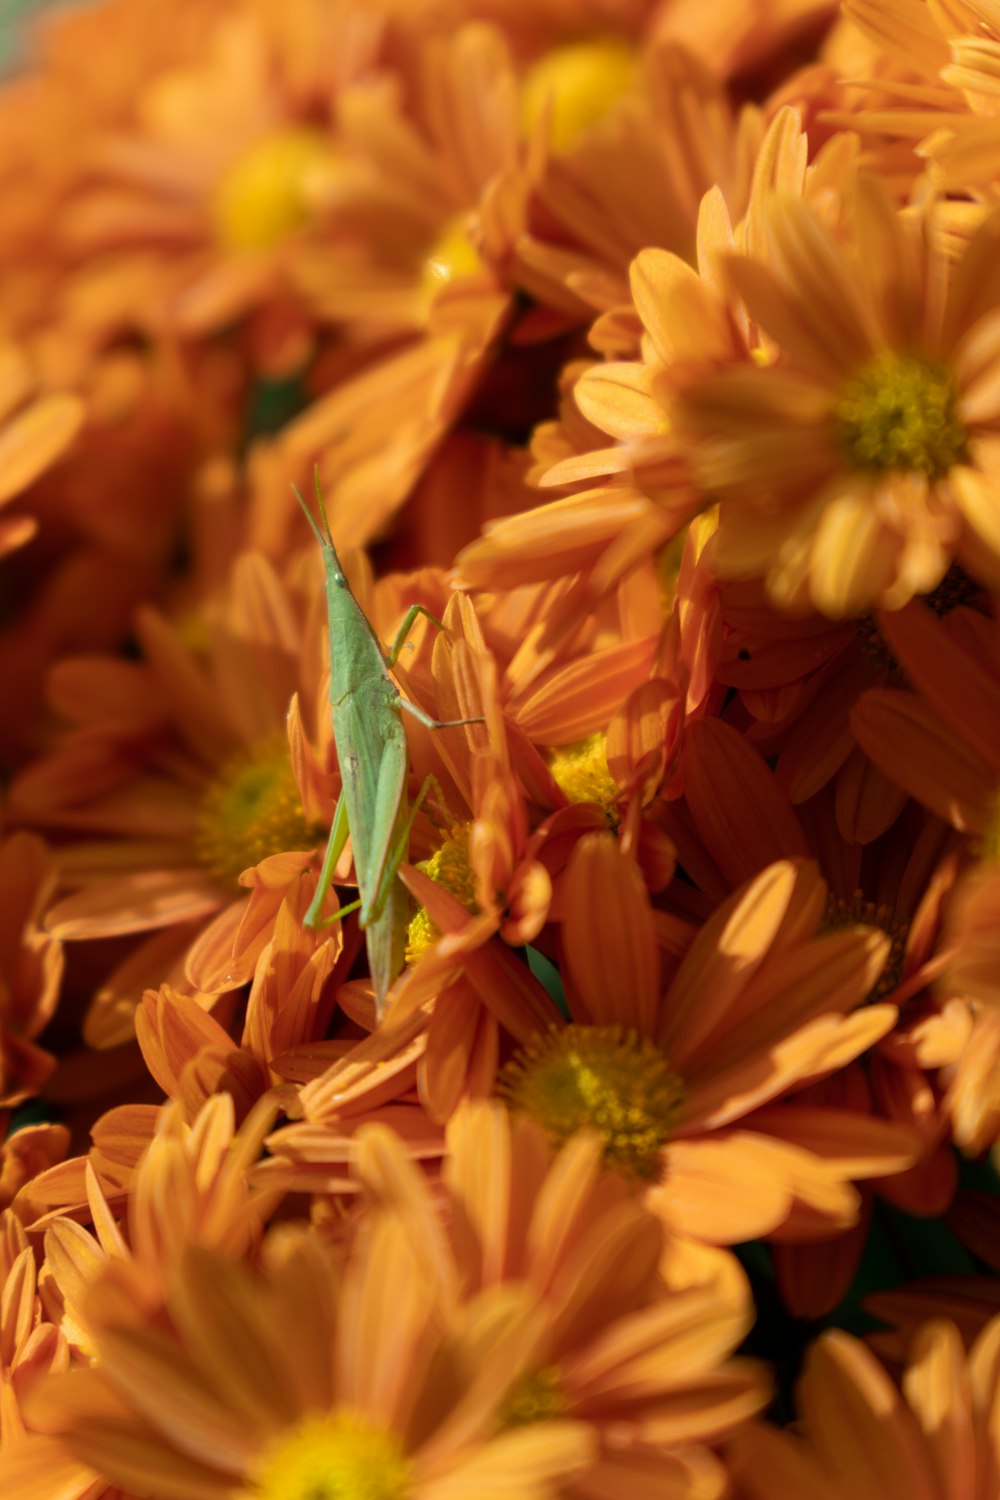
(643, 1364)
(396, 1398)
(31, 966)
(861, 1437)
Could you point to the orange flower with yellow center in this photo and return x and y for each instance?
(201, 197)
(632, 1336)
(192, 777)
(689, 1088)
(862, 461)
(306, 1381)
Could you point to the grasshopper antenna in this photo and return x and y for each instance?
(322, 505)
(317, 533)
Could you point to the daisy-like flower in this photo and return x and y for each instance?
(861, 1437)
(586, 220)
(71, 88)
(861, 462)
(734, 816)
(423, 266)
(681, 322)
(180, 774)
(676, 1081)
(297, 1378)
(644, 1364)
(196, 203)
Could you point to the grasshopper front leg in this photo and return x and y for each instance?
(334, 849)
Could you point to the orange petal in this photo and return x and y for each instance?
(864, 1434)
(34, 439)
(743, 816)
(937, 768)
(608, 938)
(620, 400)
(724, 1188)
(152, 898)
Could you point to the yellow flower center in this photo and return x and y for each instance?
(901, 413)
(599, 1078)
(338, 1457)
(536, 1397)
(252, 810)
(449, 867)
(859, 912)
(582, 772)
(581, 82)
(263, 196)
(452, 256)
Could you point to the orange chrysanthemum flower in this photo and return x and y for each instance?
(643, 1364)
(193, 207)
(684, 322)
(181, 774)
(863, 1439)
(862, 461)
(302, 1375)
(698, 1105)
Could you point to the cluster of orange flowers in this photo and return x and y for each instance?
(653, 346)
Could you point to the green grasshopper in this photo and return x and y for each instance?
(368, 732)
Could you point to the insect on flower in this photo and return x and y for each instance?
(366, 708)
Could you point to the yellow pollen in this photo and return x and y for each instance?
(859, 912)
(536, 1397)
(581, 771)
(600, 1078)
(581, 83)
(252, 810)
(901, 413)
(264, 195)
(452, 256)
(449, 866)
(339, 1457)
